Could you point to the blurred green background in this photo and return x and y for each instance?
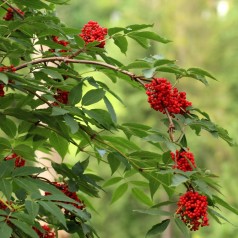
(204, 34)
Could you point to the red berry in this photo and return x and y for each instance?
(92, 31)
(192, 210)
(60, 42)
(19, 161)
(162, 96)
(61, 96)
(48, 233)
(10, 14)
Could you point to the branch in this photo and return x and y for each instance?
(90, 62)
(171, 126)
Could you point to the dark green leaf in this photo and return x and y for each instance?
(6, 188)
(5, 230)
(93, 96)
(8, 127)
(54, 210)
(114, 30)
(178, 179)
(32, 208)
(149, 35)
(121, 42)
(182, 227)
(225, 204)
(27, 170)
(71, 123)
(59, 144)
(113, 161)
(158, 228)
(75, 94)
(27, 229)
(110, 109)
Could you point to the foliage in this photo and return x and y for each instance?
(47, 105)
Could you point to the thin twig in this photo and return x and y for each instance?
(171, 126)
(13, 8)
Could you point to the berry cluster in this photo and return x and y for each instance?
(61, 96)
(19, 161)
(184, 160)
(60, 42)
(162, 96)
(65, 189)
(48, 233)
(10, 14)
(92, 31)
(192, 210)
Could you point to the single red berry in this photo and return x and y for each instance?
(61, 96)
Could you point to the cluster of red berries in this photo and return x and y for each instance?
(92, 31)
(184, 160)
(19, 161)
(192, 210)
(162, 96)
(10, 14)
(48, 233)
(65, 189)
(61, 96)
(60, 42)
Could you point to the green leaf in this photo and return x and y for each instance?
(137, 65)
(140, 40)
(75, 95)
(225, 204)
(113, 161)
(101, 116)
(32, 208)
(8, 127)
(6, 168)
(25, 151)
(27, 170)
(158, 228)
(149, 35)
(201, 72)
(59, 144)
(112, 181)
(93, 96)
(5, 144)
(6, 188)
(178, 179)
(136, 27)
(154, 212)
(27, 229)
(141, 196)
(114, 30)
(5, 230)
(182, 227)
(121, 42)
(79, 41)
(54, 210)
(71, 123)
(57, 111)
(4, 78)
(119, 192)
(52, 73)
(110, 109)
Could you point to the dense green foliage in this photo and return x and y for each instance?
(35, 116)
